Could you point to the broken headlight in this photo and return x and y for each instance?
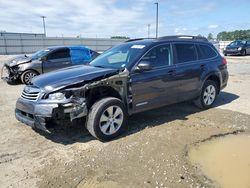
(57, 96)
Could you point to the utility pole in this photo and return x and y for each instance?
(157, 20)
(149, 30)
(44, 28)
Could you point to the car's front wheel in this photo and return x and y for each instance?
(208, 95)
(27, 76)
(244, 53)
(107, 119)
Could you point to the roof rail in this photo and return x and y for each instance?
(181, 37)
(131, 40)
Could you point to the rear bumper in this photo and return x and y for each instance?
(224, 78)
(36, 114)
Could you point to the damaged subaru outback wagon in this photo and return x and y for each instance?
(132, 77)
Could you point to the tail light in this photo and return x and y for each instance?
(224, 61)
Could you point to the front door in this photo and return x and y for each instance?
(57, 59)
(155, 87)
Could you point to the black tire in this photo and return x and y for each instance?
(27, 76)
(244, 53)
(94, 123)
(201, 101)
(225, 54)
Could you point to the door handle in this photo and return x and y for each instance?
(202, 66)
(171, 72)
(65, 63)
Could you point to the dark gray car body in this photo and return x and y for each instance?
(138, 90)
(66, 56)
(238, 47)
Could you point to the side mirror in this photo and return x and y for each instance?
(44, 58)
(143, 66)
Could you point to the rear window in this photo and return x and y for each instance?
(185, 52)
(205, 52)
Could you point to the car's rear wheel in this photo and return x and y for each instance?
(244, 53)
(208, 95)
(107, 119)
(27, 76)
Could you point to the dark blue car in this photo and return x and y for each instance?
(238, 47)
(46, 60)
(132, 77)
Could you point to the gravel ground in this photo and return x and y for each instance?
(152, 153)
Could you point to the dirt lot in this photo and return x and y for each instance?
(151, 154)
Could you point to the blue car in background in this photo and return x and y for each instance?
(25, 67)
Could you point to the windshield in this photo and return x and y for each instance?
(237, 43)
(118, 57)
(40, 54)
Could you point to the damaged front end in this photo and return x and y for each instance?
(35, 108)
(65, 95)
(12, 69)
(10, 74)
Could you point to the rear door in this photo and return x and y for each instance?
(156, 87)
(188, 70)
(57, 59)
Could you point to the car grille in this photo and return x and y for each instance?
(30, 93)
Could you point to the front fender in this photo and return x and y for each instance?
(36, 66)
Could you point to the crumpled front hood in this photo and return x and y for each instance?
(69, 76)
(18, 60)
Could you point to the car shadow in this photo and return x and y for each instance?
(14, 83)
(76, 132)
(225, 98)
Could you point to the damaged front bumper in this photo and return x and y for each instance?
(36, 114)
(10, 74)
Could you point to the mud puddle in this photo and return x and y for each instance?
(224, 160)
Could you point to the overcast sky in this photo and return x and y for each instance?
(105, 18)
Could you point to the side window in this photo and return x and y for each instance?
(205, 52)
(248, 43)
(59, 54)
(185, 52)
(79, 56)
(159, 56)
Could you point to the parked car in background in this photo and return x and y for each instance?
(238, 47)
(132, 77)
(25, 67)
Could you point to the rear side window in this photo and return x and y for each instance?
(205, 52)
(79, 56)
(185, 52)
(59, 54)
(158, 56)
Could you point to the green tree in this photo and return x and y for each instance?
(234, 35)
(210, 36)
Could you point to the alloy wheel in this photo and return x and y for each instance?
(111, 120)
(209, 95)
